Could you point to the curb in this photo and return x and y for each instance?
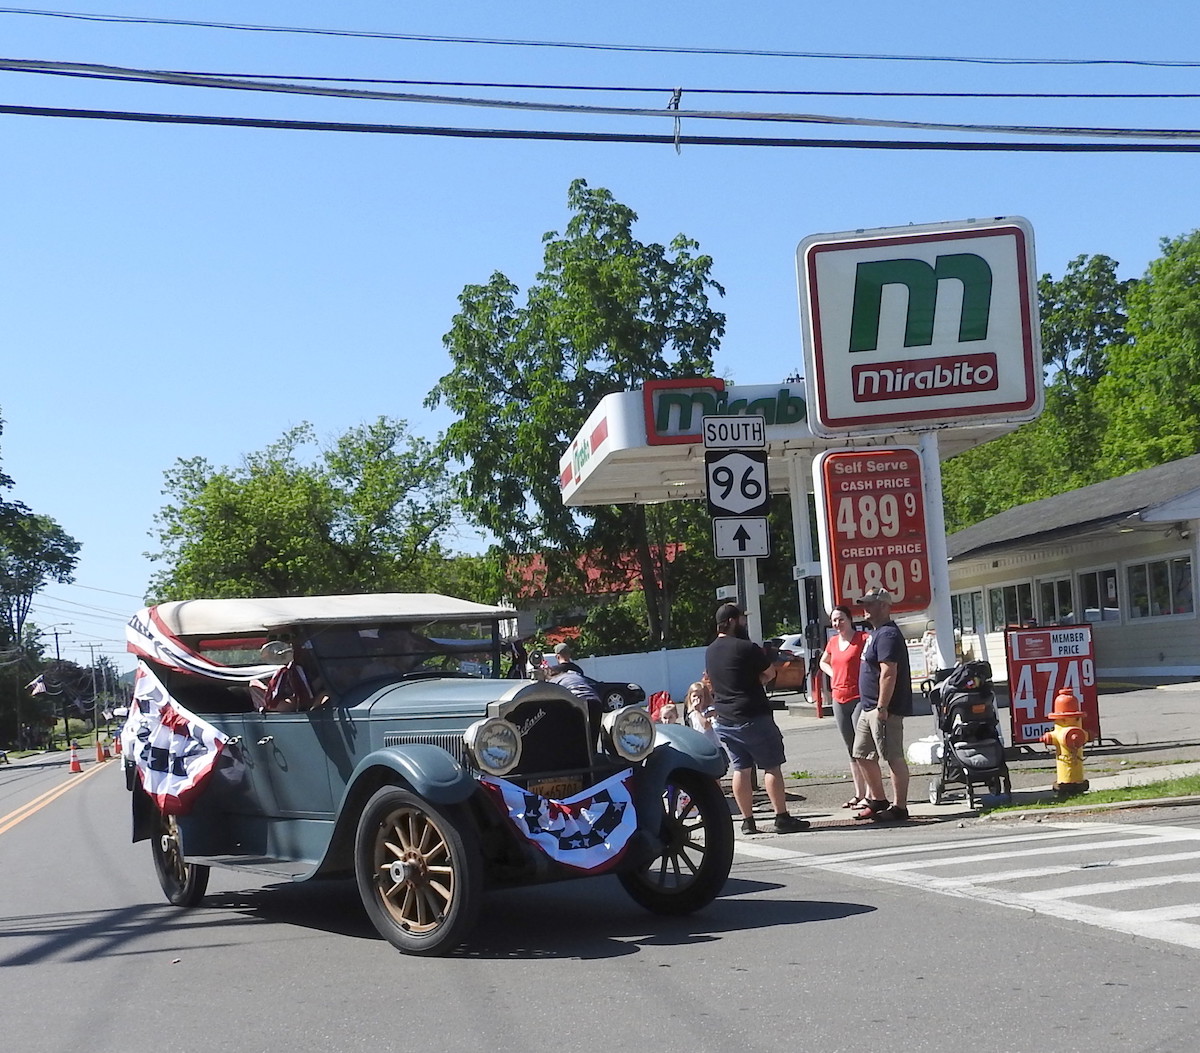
(1108, 806)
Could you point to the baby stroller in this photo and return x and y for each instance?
(972, 750)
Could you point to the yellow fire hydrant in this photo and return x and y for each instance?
(1067, 738)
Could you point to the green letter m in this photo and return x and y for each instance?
(921, 280)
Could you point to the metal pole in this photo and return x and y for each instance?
(939, 563)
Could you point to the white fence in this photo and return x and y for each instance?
(672, 671)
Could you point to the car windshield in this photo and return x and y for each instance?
(352, 655)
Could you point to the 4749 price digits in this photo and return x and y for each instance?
(889, 575)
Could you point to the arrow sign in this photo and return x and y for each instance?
(741, 538)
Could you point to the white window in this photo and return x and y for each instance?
(966, 609)
(1160, 587)
(1010, 606)
(1098, 595)
(1055, 606)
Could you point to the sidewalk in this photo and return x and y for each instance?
(1148, 733)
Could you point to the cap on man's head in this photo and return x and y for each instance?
(877, 595)
(563, 648)
(727, 612)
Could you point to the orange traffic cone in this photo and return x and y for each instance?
(99, 752)
(75, 765)
(107, 755)
(117, 745)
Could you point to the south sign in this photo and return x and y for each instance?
(871, 525)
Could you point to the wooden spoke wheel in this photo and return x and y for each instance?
(697, 831)
(184, 883)
(419, 871)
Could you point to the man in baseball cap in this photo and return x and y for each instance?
(566, 657)
(738, 670)
(885, 688)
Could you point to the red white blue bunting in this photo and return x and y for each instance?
(148, 637)
(588, 831)
(174, 750)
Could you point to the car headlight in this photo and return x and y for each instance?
(494, 744)
(629, 732)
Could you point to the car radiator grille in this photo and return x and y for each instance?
(451, 742)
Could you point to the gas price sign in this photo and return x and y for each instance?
(871, 525)
(1043, 662)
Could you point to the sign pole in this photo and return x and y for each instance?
(798, 473)
(939, 560)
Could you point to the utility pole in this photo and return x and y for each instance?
(95, 695)
(56, 631)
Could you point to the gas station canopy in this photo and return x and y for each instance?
(641, 447)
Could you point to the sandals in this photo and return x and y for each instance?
(856, 802)
(871, 809)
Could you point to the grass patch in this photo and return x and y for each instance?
(1184, 786)
(805, 774)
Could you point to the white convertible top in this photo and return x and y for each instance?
(221, 617)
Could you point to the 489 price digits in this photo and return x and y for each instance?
(889, 575)
(871, 517)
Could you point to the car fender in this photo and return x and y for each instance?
(678, 746)
(428, 770)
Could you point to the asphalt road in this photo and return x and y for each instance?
(929, 937)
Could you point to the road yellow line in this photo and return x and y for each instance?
(7, 822)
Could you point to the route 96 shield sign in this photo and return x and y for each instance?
(736, 483)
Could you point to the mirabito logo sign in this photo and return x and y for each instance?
(915, 328)
(675, 409)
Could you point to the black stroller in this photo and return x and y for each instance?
(972, 749)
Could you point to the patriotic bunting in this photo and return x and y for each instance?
(148, 637)
(588, 831)
(174, 750)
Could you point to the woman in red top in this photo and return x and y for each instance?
(840, 661)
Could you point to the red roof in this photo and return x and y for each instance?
(601, 576)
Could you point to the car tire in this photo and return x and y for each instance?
(698, 832)
(183, 883)
(419, 871)
(615, 700)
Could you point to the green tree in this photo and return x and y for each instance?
(1151, 393)
(366, 514)
(1083, 317)
(606, 313)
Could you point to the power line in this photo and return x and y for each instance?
(668, 89)
(598, 137)
(122, 73)
(655, 49)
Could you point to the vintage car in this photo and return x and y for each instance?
(370, 736)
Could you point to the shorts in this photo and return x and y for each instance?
(875, 738)
(846, 714)
(757, 743)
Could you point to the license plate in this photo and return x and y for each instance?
(556, 789)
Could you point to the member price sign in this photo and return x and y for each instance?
(871, 525)
(1041, 663)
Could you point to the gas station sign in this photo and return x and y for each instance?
(871, 525)
(911, 328)
(1043, 662)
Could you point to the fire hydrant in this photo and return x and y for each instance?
(1067, 738)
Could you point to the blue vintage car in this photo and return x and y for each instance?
(375, 736)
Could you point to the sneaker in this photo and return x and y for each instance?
(892, 814)
(789, 824)
(749, 827)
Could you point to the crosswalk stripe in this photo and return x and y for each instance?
(1169, 924)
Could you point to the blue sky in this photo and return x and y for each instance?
(171, 291)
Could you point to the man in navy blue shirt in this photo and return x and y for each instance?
(885, 688)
